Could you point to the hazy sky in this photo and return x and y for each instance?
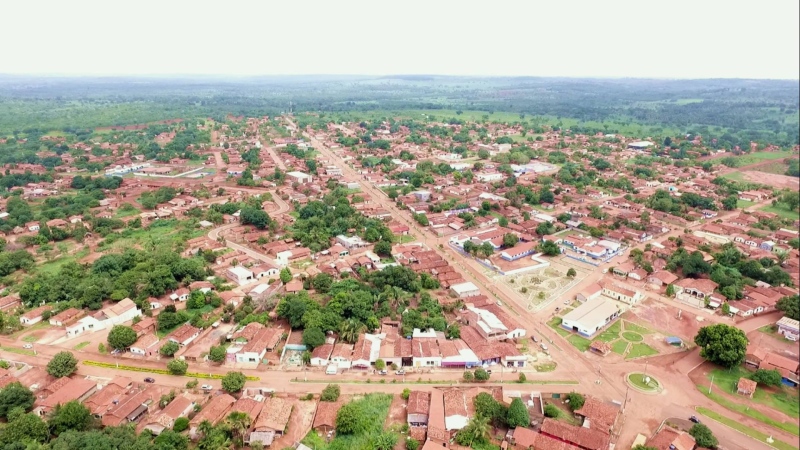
(591, 38)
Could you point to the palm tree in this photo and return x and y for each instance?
(205, 427)
(478, 429)
(239, 423)
(349, 330)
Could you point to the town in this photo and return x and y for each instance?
(293, 282)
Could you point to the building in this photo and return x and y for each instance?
(789, 328)
(298, 177)
(265, 339)
(590, 317)
(213, 411)
(746, 387)
(581, 437)
(78, 389)
(321, 356)
(184, 335)
(239, 275)
(519, 251)
(463, 290)
(622, 293)
(351, 241)
(271, 422)
(419, 404)
(146, 345)
(179, 407)
(591, 292)
(66, 317)
(668, 438)
(34, 316)
(121, 312)
(640, 145)
(325, 417)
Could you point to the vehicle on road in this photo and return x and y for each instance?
(534, 338)
(27, 346)
(499, 303)
(694, 419)
(566, 302)
(400, 372)
(383, 372)
(207, 387)
(149, 380)
(544, 346)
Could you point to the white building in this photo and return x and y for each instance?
(351, 241)
(239, 275)
(590, 317)
(121, 312)
(299, 177)
(466, 289)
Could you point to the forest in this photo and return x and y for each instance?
(735, 111)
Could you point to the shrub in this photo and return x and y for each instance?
(469, 377)
(160, 371)
(233, 382)
(191, 384)
(177, 367)
(481, 374)
(518, 415)
(576, 400)
(522, 378)
(330, 393)
(181, 424)
(551, 411)
(767, 377)
(412, 444)
(63, 364)
(406, 393)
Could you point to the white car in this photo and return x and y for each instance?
(27, 346)
(207, 387)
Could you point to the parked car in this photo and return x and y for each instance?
(544, 346)
(566, 302)
(400, 372)
(383, 372)
(149, 380)
(694, 419)
(207, 387)
(27, 346)
(534, 338)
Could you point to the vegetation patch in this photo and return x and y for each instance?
(359, 424)
(545, 367)
(755, 434)
(81, 345)
(619, 347)
(640, 381)
(19, 351)
(630, 326)
(611, 333)
(639, 350)
(580, 342)
(782, 210)
(555, 324)
(783, 399)
(160, 371)
(632, 336)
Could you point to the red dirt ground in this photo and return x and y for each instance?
(663, 318)
(771, 179)
(299, 423)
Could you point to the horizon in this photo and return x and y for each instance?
(512, 38)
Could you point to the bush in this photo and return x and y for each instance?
(469, 377)
(181, 424)
(177, 367)
(703, 436)
(522, 378)
(576, 400)
(481, 374)
(551, 411)
(160, 371)
(63, 364)
(169, 348)
(412, 444)
(233, 382)
(406, 393)
(330, 393)
(191, 384)
(767, 377)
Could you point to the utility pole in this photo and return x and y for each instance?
(711, 385)
(625, 403)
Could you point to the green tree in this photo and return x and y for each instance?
(380, 364)
(453, 331)
(177, 367)
(330, 393)
(476, 432)
(791, 199)
(730, 202)
(767, 377)
(551, 411)
(518, 415)
(233, 382)
(576, 400)
(468, 376)
(181, 424)
(121, 337)
(510, 240)
(549, 248)
(349, 419)
(383, 248)
(406, 393)
(286, 275)
(171, 440)
(571, 273)
(15, 395)
(238, 422)
(169, 348)
(217, 353)
(70, 416)
(313, 337)
(643, 447)
(670, 291)
(722, 344)
(26, 428)
(412, 444)
(63, 364)
(790, 305)
(481, 374)
(703, 436)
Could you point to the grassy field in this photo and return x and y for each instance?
(782, 211)
(52, 267)
(742, 204)
(782, 399)
(632, 336)
(638, 380)
(611, 333)
(555, 323)
(374, 409)
(31, 338)
(580, 342)
(639, 350)
(753, 158)
(755, 434)
(619, 347)
(735, 176)
(81, 345)
(545, 367)
(630, 326)
(19, 351)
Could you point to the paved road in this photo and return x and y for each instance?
(728, 438)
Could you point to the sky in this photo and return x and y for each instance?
(570, 38)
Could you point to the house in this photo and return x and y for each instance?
(698, 288)
(527, 439)
(146, 345)
(342, 355)
(103, 400)
(121, 312)
(213, 411)
(600, 347)
(746, 387)
(180, 295)
(78, 389)
(34, 316)
(590, 317)
(621, 293)
(179, 407)
(130, 408)
(668, 438)
(298, 177)
(599, 415)
(419, 404)
(144, 326)
(265, 270)
(184, 335)
(661, 278)
(9, 302)
(590, 292)
(463, 290)
(437, 428)
(351, 241)
(263, 340)
(789, 328)
(271, 422)
(789, 368)
(66, 317)
(425, 352)
(321, 356)
(493, 322)
(239, 275)
(582, 437)
(519, 251)
(325, 417)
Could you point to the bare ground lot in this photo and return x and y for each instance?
(771, 179)
(663, 318)
(299, 423)
(540, 287)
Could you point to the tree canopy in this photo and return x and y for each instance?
(63, 364)
(722, 344)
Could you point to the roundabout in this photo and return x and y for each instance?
(643, 383)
